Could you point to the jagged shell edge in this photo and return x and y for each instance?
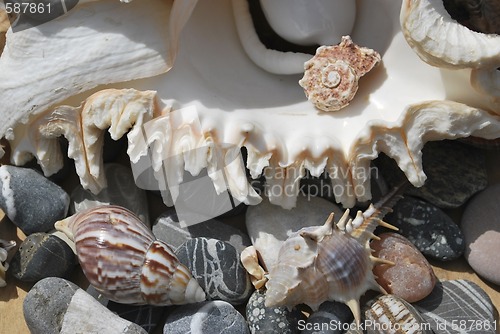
(167, 135)
(431, 40)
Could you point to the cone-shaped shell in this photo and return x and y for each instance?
(121, 259)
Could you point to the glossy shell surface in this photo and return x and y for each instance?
(121, 259)
(203, 105)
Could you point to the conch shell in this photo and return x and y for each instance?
(329, 262)
(121, 259)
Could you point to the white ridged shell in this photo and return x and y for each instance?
(441, 41)
(400, 105)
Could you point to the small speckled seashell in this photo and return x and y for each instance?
(5, 246)
(121, 259)
(331, 77)
(390, 314)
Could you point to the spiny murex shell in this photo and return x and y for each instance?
(329, 262)
(331, 77)
(121, 259)
(400, 105)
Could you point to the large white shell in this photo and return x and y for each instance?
(401, 104)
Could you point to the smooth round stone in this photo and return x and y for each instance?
(167, 228)
(55, 305)
(42, 255)
(458, 303)
(390, 314)
(30, 200)
(269, 225)
(412, 277)
(455, 172)
(121, 191)
(481, 227)
(330, 318)
(146, 316)
(208, 317)
(431, 230)
(262, 319)
(217, 267)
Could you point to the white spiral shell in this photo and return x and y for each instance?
(121, 259)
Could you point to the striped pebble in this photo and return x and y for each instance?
(392, 315)
(458, 306)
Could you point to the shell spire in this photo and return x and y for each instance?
(365, 223)
(330, 262)
(121, 259)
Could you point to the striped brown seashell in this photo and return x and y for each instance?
(121, 259)
(329, 262)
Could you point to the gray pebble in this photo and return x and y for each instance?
(55, 305)
(330, 318)
(30, 200)
(481, 227)
(431, 230)
(458, 306)
(167, 228)
(217, 267)
(42, 255)
(455, 172)
(146, 316)
(208, 317)
(262, 319)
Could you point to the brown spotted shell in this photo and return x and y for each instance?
(121, 259)
(331, 77)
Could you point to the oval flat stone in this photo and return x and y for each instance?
(167, 228)
(42, 255)
(481, 227)
(269, 225)
(30, 200)
(121, 190)
(330, 318)
(55, 305)
(455, 172)
(208, 317)
(411, 278)
(147, 316)
(431, 230)
(216, 266)
(458, 306)
(262, 319)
